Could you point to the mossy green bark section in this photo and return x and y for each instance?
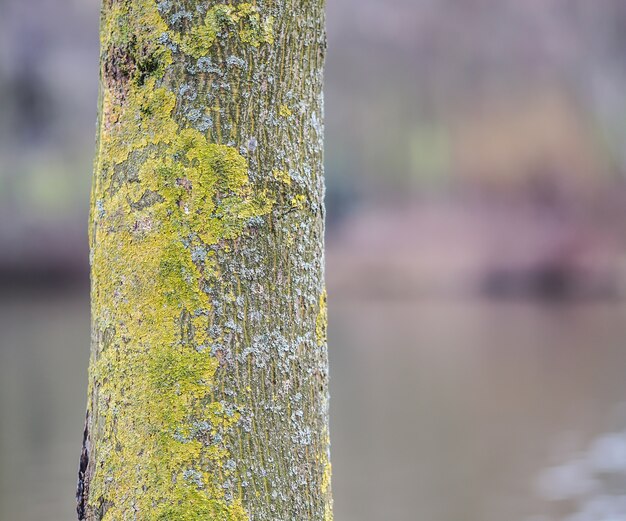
(208, 377)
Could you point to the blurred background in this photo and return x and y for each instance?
(476, 260)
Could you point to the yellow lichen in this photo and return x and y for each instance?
(268, 30)
(251, 29)
(326, 480)
(321, 323)
(298, 201)
(282, 176)
(135, 29)
(243, 20)
(159, 451)
(284, 111)
(143, 119)
(201, 38)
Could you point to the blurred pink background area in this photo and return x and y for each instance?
(476, 256)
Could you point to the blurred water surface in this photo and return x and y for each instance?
(448, 410)
(441, 409)
(44, 351)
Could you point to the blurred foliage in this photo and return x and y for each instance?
(410, 80)
(428, 97)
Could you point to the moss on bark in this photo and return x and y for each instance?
(208, 377)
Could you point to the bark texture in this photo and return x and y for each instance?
(208, 376)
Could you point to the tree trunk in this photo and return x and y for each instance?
(208, 375)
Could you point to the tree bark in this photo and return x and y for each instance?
(208, 392)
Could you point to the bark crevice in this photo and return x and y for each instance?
(82, 490)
